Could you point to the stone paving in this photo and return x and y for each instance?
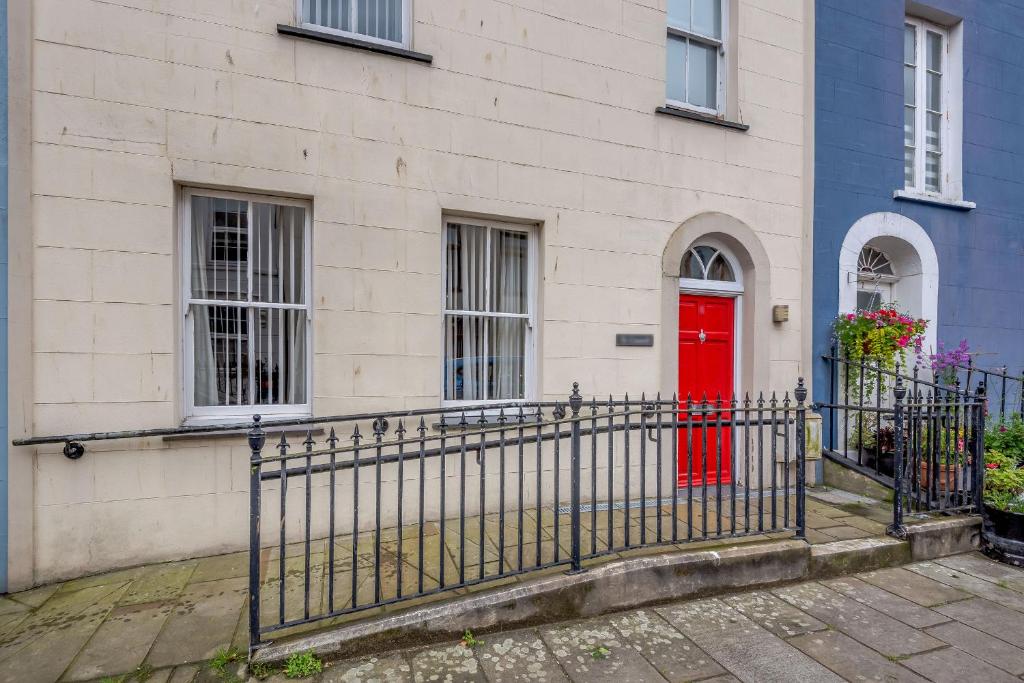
(171, 618)
(957, 619)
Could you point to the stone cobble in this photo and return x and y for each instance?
(930, 621)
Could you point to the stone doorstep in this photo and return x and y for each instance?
(627, 583)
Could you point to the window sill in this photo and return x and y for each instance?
(958, 204)
(703, 118)
(368, 45)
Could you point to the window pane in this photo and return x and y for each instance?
(721, 270)
(464, 376)
(220, 249)
(909, 45)
(279, 356)
(932, 172)
(508, 271)
(934, 46)
(679, 13)
(909, 159)
(909, 85)
(933, 133)
(934, 96)
(465, 267)
(702, 74)
(707, 17)
(692, 267)
(380, 19)
(334, 14)
(869, 300)
(909, 126)
(221, 349)
(675, 73)
(506, 361)
(278, 234)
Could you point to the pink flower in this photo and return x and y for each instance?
(851, 317)
(903, 341)
(991, 466)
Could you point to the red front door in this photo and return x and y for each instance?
(706, 344)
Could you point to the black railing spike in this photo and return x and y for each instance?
(309, 442)
(785, 399)
(400, 430)
(704, 398)
(760, 398)
(501, 417)
(444, 423)
(521, 417)
(356, 435)
(718, 398)
(689, 400)
(483, 418)
(643, 397)
(283, 443)
(332, 438)
(422, 429)
(775, 401)
(463, 422)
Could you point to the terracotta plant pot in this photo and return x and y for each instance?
(946, 476)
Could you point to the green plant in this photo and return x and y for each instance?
(1007, 438)
(469, 640)
(142, 674)
(303, 665)
(1004, 482)
(222, 659)
(260, 670)
(877, 339)
(600, 652)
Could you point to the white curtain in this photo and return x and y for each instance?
(508, 295)
(295, 322)
(205, 363)
(464, 337)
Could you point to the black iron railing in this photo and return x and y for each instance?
(1004, 392)
(922, 439)
(390, 508)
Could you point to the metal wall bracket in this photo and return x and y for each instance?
(73, 450)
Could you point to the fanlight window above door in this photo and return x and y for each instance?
(707, 263)
(873, 263)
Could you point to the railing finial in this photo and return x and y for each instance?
(801, 391)
(257, 437)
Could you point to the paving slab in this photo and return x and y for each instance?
(184, 674)
(950, 665)
(910, 613)
(733, 640)
(869, 626)
(983, 646)
(914, 587)
(986, 616)
(383, 669)
(120, 644)
(850, 659)
(47, 655)
(455, 663)
(203, 620)
(773, 614)
(160, 582)
(518, 656)
(969, 584)
(36, 596)
(574, 648)
(980, 566)
(674, 655)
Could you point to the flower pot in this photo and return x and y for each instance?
(946, 476)
(1003, 533)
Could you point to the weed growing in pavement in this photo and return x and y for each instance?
(303, 665)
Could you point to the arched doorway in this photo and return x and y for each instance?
(710, 329)
(887, 258)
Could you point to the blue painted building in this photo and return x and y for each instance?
(919, 170)
(4, 440)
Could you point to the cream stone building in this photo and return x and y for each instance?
(227, 207)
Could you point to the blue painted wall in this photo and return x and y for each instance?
(859, 163)
(3, 296)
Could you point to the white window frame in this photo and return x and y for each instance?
(194, 414)
(406, 41)
(721, 44)
(530, 361)
(951, 128)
